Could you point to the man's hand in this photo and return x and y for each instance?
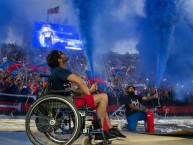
(145, 110)
(73, 88)
(93, 88)
(155, 96)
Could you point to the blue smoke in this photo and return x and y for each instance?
(157, 35)
(13, 20)
(162, 30)
(164, 18)
(86, 12)
(100, 30)
(155, 30)
(6, 13)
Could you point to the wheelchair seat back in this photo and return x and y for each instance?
(47, 90)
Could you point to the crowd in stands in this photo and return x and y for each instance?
(117, 73)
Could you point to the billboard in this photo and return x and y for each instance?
(56, 36)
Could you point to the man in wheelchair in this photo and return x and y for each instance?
(57, 61)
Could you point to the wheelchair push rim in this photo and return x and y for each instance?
(53, 118)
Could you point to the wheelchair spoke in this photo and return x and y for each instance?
(53, 119)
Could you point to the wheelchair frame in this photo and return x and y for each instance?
(54, 118)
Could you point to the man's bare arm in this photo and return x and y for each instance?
(80, 82)
(154, 96)
(133, 107)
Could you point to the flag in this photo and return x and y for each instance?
(53, 10)
(98, 78)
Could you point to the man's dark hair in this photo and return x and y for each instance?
(131, 87)
(52, 58)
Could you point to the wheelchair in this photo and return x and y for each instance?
(54, 119)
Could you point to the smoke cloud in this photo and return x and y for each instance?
(159, 31)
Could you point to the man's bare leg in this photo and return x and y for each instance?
(101, 101)
(108, 122)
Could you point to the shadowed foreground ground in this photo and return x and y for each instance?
(12, 131)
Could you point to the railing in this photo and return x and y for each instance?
(12, 104)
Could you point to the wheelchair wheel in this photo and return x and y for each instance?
(53, 118)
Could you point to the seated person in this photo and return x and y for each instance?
(133, 111)
(57, 61)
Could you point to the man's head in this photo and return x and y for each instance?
(46, 28)
(130, 90)
(56, 59)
